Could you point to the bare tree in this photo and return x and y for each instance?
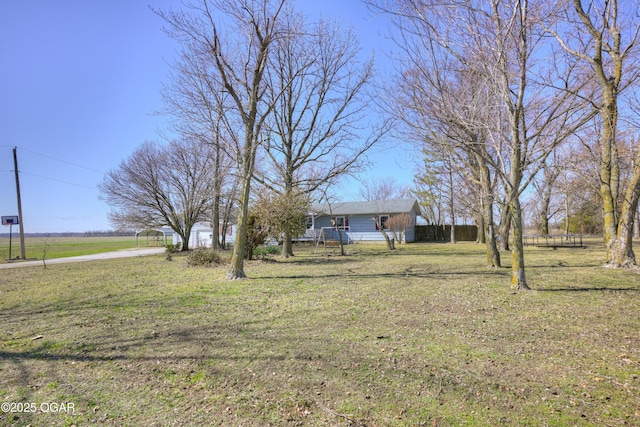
(198, 108)
(398, 225)
(602, 35)
(45, 244)
(546, 189)
(382, 188)
(579, 183)
(318, 130)
(532, 111)
(161, 186)
(446, 108)
(383, 227)
(239, 52)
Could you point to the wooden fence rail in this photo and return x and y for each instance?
(554, 240)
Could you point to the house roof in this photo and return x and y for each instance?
(395, 206)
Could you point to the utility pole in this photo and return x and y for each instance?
(15, 163)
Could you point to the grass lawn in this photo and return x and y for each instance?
(424, 335)
(62, 247)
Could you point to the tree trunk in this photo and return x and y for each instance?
(621, 251)
(215, 223)
(621, 248)
(505, 227)
(226, 217)
(237, 259)
(544, 222)
(551, 174)
(390, 243)
(452, 210)
(566, 212)
(609, 219)
(287, 245)
(185, 244)
(486, 202)
(215, 236)
(608, 179)
(339, 230)
(493, 254)
(518, 278)
(482, 233)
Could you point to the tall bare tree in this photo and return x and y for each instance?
(546, 189)
(447, 105)
(318, 130)
(532, 109)
(237, 37)
(198, 108)
(161, 186)
(382, 188)
(603, 36)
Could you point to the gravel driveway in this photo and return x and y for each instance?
(125, 253)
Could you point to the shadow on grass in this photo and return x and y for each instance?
(319, 260)
(51, 357)
(589, 289)
(155, 338)
(404, 274)
(38, 354)
(396, 275)
(559, 266)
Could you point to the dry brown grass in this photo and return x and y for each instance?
(424, 335)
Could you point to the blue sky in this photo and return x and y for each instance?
(79, 84)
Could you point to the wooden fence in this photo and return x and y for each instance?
(442, 233)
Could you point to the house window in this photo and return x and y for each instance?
(309, 222)
(340, 222)
(382, 220)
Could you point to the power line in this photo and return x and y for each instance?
(60, 160)
(57, 180)
(64, 161)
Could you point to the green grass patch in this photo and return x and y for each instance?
(424, 335)
(63, 247)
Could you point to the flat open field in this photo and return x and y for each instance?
(424, 335)
(62, 247)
